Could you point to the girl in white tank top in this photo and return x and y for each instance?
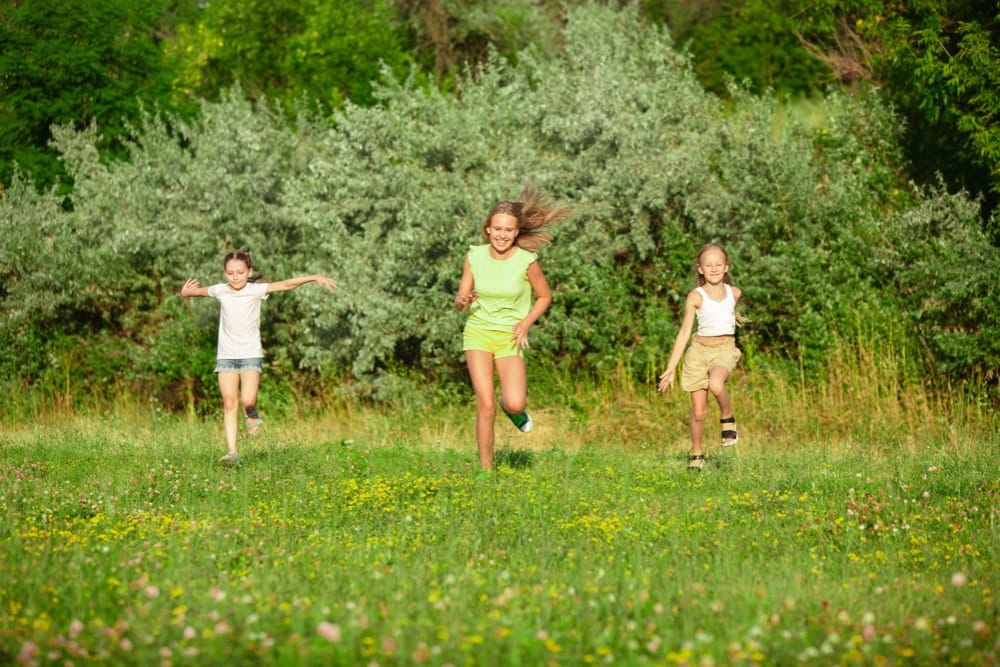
(713, 354)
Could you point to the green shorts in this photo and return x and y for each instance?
(699, 358)
(497, 343)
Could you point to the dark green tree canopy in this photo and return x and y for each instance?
(77, 62)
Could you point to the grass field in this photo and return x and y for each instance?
(358, 536)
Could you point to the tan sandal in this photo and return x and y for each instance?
(696, 462)
(253, 425)
(729, 436)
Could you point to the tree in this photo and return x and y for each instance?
(290, 50)
(939, 64)
(78, 62)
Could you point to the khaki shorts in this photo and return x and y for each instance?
(498, 343)
(700, 357)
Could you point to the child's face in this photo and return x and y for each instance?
(237, 274)
(713, 265)
(502, 232)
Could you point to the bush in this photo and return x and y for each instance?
(388, 199)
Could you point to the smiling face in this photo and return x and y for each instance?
(713, 265)
(502, 232)
(237, 274)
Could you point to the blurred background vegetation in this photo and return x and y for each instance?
(847, 151)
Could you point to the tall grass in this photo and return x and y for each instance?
(852, 524)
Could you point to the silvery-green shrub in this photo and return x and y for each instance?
(388, 199)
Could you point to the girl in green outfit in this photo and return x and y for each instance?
(498, 279)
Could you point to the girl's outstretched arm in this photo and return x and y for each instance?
(691, 304)
(292, 283)
(193, 288)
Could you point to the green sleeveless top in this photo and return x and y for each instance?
(503, 288)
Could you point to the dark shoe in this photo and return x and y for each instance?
(521, 420)
(696, 462)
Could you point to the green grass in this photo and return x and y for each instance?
(360, 537)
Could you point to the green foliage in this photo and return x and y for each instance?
(449, 35)
(288, 51)
(388, 199)
(74, 62)
(946, 269)
(756, 41)
(938, 63)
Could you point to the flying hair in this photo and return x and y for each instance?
(534, 211)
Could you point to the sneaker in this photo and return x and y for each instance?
(230, 460)
(484, 476)
(522, 421)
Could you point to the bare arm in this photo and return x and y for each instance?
(292, 283)
(691, 304)
(193, 288)
(466, 288)
(543, 299)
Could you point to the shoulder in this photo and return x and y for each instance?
(525, 257)
(694, 298)
(478, 253)
(217, 289)
(737, 292)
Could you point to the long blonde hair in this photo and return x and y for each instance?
(534, 211)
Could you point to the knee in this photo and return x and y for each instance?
(230, 403)
(717, 386)
(515, 406)
(486, 406)
(698, 415)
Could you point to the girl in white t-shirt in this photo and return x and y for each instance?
(240, 356)
(713, 355)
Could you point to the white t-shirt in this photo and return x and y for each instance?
(239, 320)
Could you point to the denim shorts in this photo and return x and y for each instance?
(239, 365)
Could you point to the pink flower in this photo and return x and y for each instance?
(28, 652)
(328, 631)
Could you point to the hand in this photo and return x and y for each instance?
(463, 300)
(520, 336)
(667, 379)
(189, 287)
(328, 283)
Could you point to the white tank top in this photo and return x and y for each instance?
(717, 318)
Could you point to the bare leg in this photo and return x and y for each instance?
(481, 373)
(699, 408)
(249, 384)
(513, 383)
(229, 385)
(717, 377)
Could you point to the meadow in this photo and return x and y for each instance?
(855, 523)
